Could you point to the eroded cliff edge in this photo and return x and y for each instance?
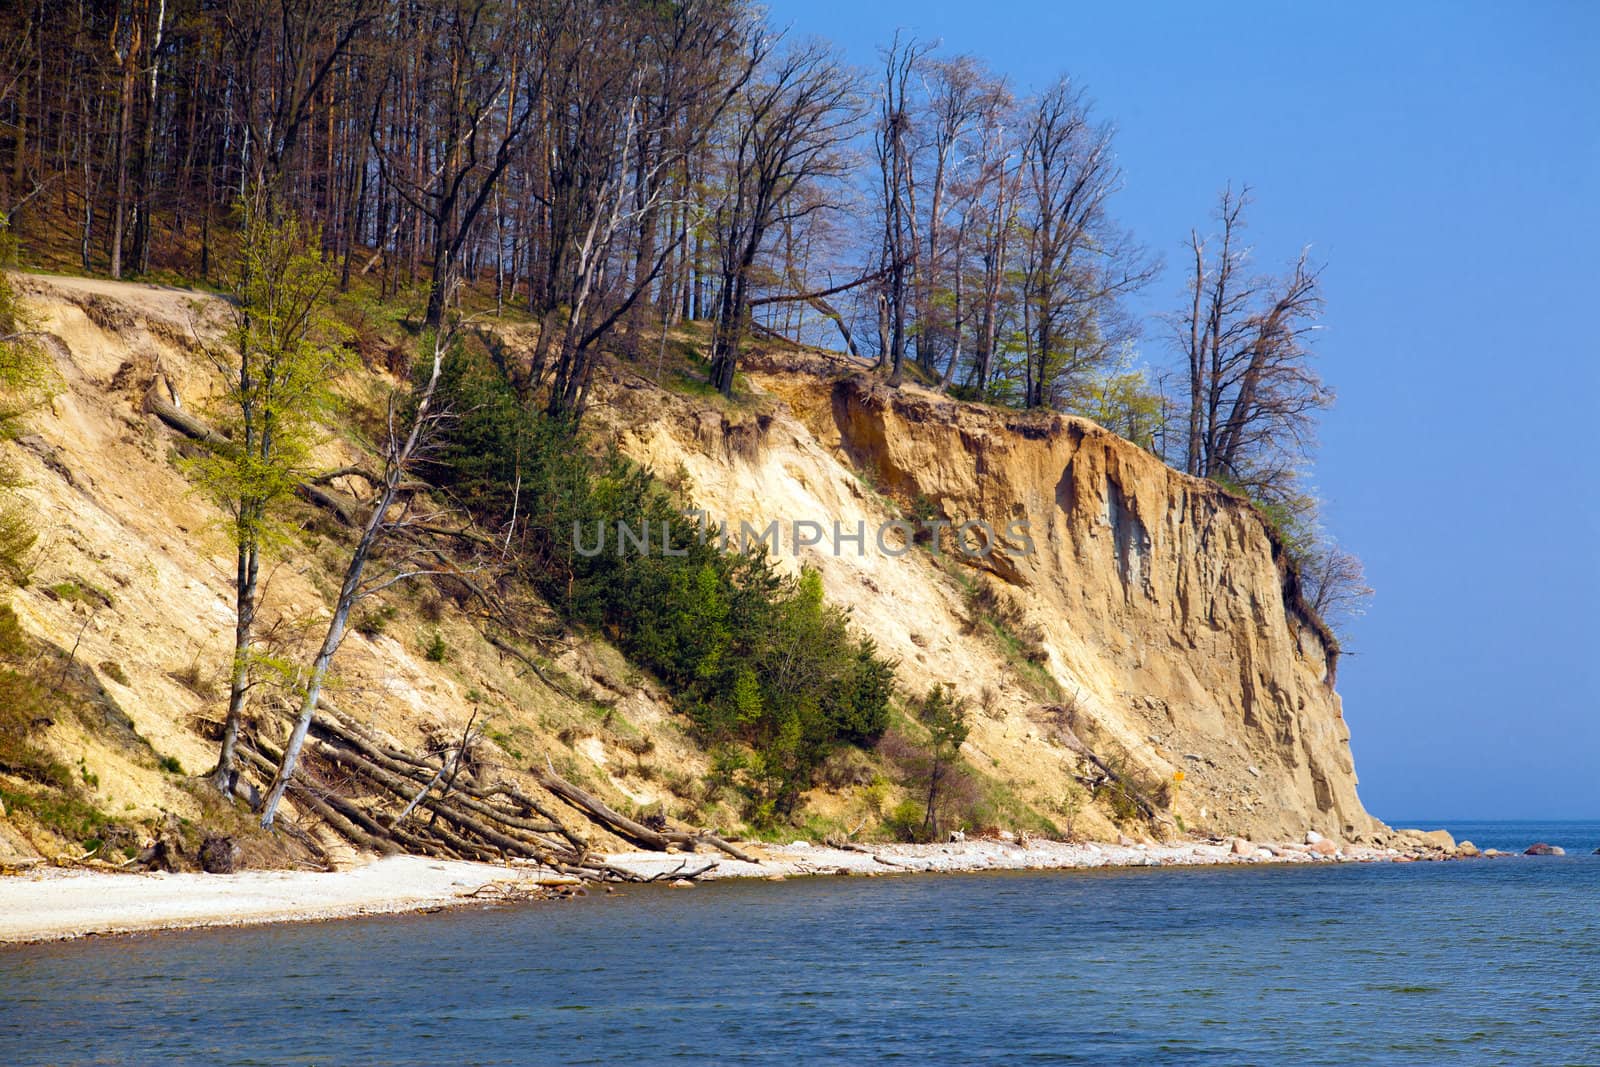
(1172, 638)
(1165, 637)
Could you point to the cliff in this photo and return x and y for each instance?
(1148, 632)
(1169, 639)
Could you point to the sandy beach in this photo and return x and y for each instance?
(57, 903)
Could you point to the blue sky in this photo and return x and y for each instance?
(1444, 160)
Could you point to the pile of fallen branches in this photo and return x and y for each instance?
(386, 800)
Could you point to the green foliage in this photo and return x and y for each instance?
(374, 622)
(1069, 807)
(26, 381)
(284, 351)
(1118, 396)
(65, 814)
(170, 764)
(992, 613)
(756, 659)
(1125, 793)
(945, 716)
(17, 537)
(906, 820)
(23, 703)
(437, 651)
(933, 766)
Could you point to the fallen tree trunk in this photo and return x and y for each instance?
(623, 826)
(598, 810)
(180, 420)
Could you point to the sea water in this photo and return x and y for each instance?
(1488, 961)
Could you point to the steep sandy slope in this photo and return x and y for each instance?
(1161, 621)
(1163, 616)
(134, 580)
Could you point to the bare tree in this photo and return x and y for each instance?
(406, 439)
(1253, 394)
(1335, 584)
(994, 200)
(127, 39)
(1078, 264)
(788, 125)
(484, 72)
(636, 130)
(893, 140)
(957, 93)
(284, 51)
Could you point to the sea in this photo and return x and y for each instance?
(1490, 961)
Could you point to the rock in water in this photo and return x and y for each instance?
(219, 854)
(1542, 849)
(1466, 849)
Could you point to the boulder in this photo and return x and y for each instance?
(1241, 847)
(1323, 847)
(220, 854)
(1312, 837)
(681, 883)
(1466, 850)
(1124, 840)
(1542, 849)
(165, 853)
(1438, 839)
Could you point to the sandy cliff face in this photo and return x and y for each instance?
(1162, 616)
(1164, 638)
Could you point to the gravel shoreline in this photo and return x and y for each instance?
(50, 904)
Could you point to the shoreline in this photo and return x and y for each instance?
(62, 904)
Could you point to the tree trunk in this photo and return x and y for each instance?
(349, 591)
(248, 571)
(142, 221)
(128, 59)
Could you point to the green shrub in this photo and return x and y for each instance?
(906, 820)
(27, 380)
(25, 706)
(437, 651)
(372, 623)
